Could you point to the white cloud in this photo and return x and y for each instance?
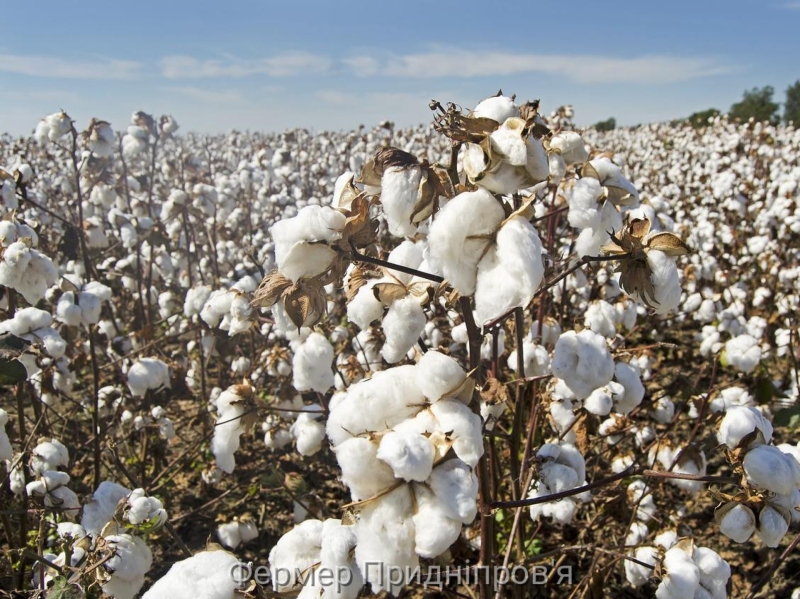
(454, 62)
(284, 65)
(54, 67)
(213, 97)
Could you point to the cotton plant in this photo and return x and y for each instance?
(768, 501)
(392, 435)
(560, 467)
(148, 374)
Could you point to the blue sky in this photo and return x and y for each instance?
(333, 65)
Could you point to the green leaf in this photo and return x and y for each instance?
(12, 371)
(789, 417)
(63, 589)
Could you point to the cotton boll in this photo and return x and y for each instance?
(132, 560)
(772, 526)
(386, 540)
(100, 509)
(364, 308)
(399, 193)
(206, 574)
(769, 468)
(736, 521)
(147, 374)
(311, 364)
(363, 473)
(634, 390)
(714, 571)
(511, 271)
(454, 240)
(229, 535)
(582, 361)
(636, 534)
(48, 456)
(743, 353)
(740, 421)
(296, 551)
(456, 486)
(402, 326)
(308, 432)
(229, 426)
(338, 542)
(295, 251)
(439, 376)
(410, 456)
(584, 206)
(601, 318)
(599, 402)
(682, 575)
(464, 427)
(6, 451)
(570, 147)
(665, 280)
(537, 359)
(498, 108)
(637, 574)
(435, 530)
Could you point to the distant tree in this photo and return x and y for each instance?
(791, 108)
(701, 118)
(757, 104)
(607, 125)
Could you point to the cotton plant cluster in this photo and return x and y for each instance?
(181, 230)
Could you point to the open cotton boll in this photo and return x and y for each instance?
(772, 526)
(570, 147)
(562, 511)
(601, 317)
(206, 574)
(454, 240)
(143, 509)
(132, 560)
(740, 421)
(364, 308)
(99, 511)
(511, 271)
(6, 451)
(600, 401)
(229, 427)
(195, 300)
(584, 204)
(769, 468)
(386, 541)
(399, 193)
(147, 374)
(456, 487)
(666, 283)
(628, 377)
(402, 325)
(638, 574)
(464, 427)
(439, 376)
(611, 176)
(311, 364)
(308, 432)
(682, 575)
(373, 405)
(498, 108)
(295, 254)
(296, 551)
(714, 572)
(536, 357)
(582, 361)
(737, 522)
(409, 455)
(435, 530)
(48, 456)
(362, 472)
(743, 353)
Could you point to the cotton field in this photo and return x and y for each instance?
(400, 362)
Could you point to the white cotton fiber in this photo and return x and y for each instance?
(311, 364)
(363, 473)
(740, 421)
(296, 256)
(409, 455)
(402, 325)
(228, 428)
(583, 361)
(743, 353)
(470, 215)
(439, 376)
(435, 530)
(456, 486)
(464, 427)
(584, 206)
(6, 451)
(147, 374)
(666, 283)
(498, 108)
(511, 271)
(769, 468)
(399, 192)
(205, 575)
